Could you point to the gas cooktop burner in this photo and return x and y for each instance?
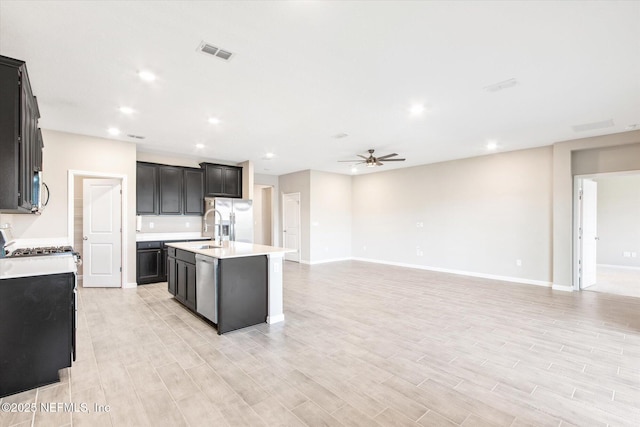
(46, 250)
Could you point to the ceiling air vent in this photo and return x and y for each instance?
(135, 136)
(210, 49)
(593, 126)
(501, 85)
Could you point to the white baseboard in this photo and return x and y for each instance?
(275, 319)
(623, 267)
(460, 272)
(130, 285)
(324, 261)
(564, 288)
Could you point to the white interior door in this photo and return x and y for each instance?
(291, 225)
(102, 233)
(588, 232)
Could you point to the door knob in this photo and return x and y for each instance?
(85, 238)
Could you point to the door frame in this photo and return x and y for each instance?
(282, 233)
(71, 175)
(576, 246)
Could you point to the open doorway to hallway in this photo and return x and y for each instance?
(607, 233)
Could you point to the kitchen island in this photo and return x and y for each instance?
(38, 320)
(233, 285)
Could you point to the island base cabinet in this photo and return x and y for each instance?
(242, 292)
(37, 331)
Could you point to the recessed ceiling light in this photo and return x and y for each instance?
(492, 145)
(147, 76)
(354, 170)
(214, 120)
(416, 109)
(126, 110)
(113, 131)
(199, 145)
(268, 155)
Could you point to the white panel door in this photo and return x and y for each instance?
(102, 233)
(291, 225)
(589, 234)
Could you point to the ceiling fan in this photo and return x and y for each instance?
(373, 161)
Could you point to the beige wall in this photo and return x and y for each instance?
(272, 181)
(565, 162)
(477, 215)
(299, 182)
(64, 152)
(619, 219)
(330, 217)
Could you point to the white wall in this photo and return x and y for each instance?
(476, 215)
(330, 216)
(64, 152)
(262, 212)
(619, 220)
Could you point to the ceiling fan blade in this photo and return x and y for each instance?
(364, 157)
(387, 156)
(394, 160)
(378, 163)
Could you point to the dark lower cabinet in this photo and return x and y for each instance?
(37, 331)
(182, 276)
(150, 263)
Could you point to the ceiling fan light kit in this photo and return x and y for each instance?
(371, 161)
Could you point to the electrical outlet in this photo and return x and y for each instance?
(151, 225)
(420, 224)
(187, 225)
(364, 248)
(419, 251)
(626, 254)
(519, 262)
(634, 254)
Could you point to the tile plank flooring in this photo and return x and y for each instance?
(362, 345)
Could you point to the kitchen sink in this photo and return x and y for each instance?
(208, 247)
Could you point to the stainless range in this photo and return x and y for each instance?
(46, 251)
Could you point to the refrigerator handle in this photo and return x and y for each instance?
(232, 226)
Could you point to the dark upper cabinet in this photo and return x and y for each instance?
(20, 138)
(146, 188)
(193, 192)
(170, 188)
(222, 180)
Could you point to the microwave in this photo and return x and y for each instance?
(40, 194)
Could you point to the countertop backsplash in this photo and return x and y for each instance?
(170, 224)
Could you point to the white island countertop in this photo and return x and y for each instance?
(229, 249)
(11, 268)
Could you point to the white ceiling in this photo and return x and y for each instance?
(306, 71)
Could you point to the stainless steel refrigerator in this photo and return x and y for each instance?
(237, 218)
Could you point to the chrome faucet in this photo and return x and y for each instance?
(206, 226)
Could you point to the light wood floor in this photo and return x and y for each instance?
(362, 345)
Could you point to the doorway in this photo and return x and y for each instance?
(607, 233)
(291, 225)
(104, 264)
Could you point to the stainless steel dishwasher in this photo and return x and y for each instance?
(207, 287)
